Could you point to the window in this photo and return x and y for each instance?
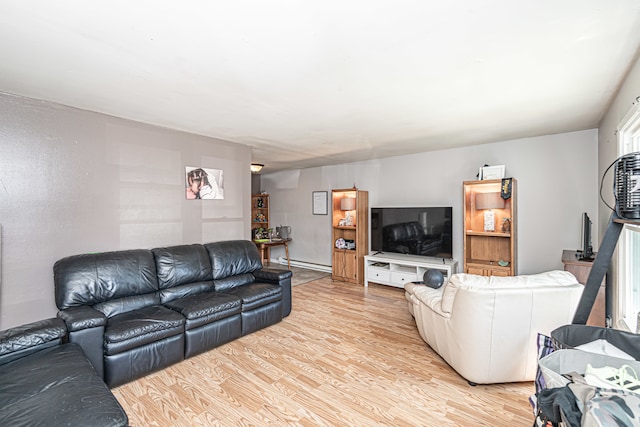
(628, 295)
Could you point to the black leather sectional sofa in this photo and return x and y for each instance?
(45, 382)
(125, 314)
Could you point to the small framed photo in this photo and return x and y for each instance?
(320, 203)
(493, 172)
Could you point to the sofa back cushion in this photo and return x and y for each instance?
(233, 257)
(463, 280)
(93, 279)
(180, 265)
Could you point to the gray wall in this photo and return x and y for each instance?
(557, 182)
(73, 181)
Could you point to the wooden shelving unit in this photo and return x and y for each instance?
(348, 263)
(260, 216)
(485, 251)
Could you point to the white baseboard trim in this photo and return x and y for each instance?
(303, 264)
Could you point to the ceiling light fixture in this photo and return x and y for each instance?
(256, 167)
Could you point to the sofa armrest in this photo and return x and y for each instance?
(79, 318)
(278, 276)
(86, 328)
(431, 298)
(23, 340)
(272, 275)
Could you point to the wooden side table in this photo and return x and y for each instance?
(581, 269)
(265, 245)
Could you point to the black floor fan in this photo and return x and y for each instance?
(627, 186)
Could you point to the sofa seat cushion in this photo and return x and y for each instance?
(256, 295)
(56, 387)
(139, 327)
(206, 307)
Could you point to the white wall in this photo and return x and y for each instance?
(73, 181)
(557, 182)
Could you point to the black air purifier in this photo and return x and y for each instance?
(626, 186)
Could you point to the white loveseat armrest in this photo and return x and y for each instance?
(428, 296)
(431, 298)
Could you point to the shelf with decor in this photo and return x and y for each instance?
(349, 224)
(260, 219)
(490, 233)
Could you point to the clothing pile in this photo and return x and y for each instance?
(587, 377)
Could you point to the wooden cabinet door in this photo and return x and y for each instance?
(496, 272)
(345, 265)
(351, 266)
(488, 271)
(475, 270)
(338, 264)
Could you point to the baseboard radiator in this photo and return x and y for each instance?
(303, 264)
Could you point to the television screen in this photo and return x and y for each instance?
(422, 231)
(587, 249)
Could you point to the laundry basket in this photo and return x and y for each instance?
(560, 355)
(572, 336)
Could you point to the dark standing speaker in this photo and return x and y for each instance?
(626, 186)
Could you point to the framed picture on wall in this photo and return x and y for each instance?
(320, 203)
(203, 183)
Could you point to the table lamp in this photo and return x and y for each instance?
(348, 204)
(487, 202)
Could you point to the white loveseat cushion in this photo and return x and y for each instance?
(463, 280)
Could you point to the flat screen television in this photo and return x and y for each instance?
(422, 231)
(587, 247)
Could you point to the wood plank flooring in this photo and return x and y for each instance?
(346, 356)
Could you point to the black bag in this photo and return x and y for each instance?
(557, 405)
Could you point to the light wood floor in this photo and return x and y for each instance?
(346, 356)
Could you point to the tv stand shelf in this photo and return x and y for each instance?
(397, 269)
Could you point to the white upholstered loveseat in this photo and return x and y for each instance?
(486, 327)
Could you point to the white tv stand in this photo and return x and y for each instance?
(397, 269)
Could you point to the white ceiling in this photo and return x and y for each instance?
(311, 83)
